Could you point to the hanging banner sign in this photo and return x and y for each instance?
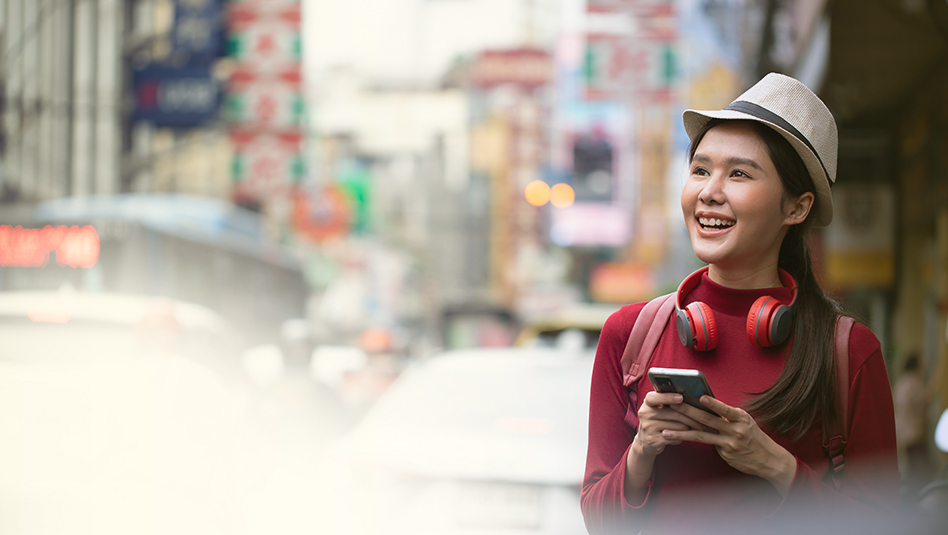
(523, 67)
(629, 49)
(266, 163)
(618, 67)
(266, 45)
(265, 105)
(240, 11)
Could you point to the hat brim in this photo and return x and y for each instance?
(695, 120)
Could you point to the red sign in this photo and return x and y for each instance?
(524, 67)
(323, 216)
(268, 162)
(27, 247)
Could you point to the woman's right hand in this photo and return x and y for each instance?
(655, 416)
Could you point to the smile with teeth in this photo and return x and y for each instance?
(710, 222)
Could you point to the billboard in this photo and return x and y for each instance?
(176, 96)
(264, 103)
(265, 163)
(198, 32)
(525, 67)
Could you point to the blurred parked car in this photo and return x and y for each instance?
(139, 323)
(472, 441)
(574, 327)
(114, 416)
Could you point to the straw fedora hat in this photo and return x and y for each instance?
(790, 108)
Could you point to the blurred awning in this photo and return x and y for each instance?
(204, 220)
(882, 52)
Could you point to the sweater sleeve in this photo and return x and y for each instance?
(870, 482)
(603, 495)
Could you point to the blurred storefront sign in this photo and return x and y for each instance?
(181, 97)
(590, 225)
(629, 50)
(240, 10)
(74, 246)
(266, 163)
(265, 96)
(265, 101)
(859, 246)
(618, 67)
(523, 67)
(323, 215)
(622, 283)
(265, 40)
(198, 30)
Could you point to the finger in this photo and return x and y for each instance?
(726, 411)
(672, 425)
(657, 399)
(701, 418)
(675, 414)
(694, 435)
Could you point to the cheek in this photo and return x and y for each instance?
(688, 200)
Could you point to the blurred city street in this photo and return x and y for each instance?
(318, 266)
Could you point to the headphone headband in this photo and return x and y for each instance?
(692, 281)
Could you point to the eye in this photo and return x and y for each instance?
(701, 171)
(739, 173)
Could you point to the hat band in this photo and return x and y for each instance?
(760, 112)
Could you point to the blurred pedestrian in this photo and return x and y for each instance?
(912, 397)
(757, 323)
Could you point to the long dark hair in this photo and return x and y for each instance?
(805, 390)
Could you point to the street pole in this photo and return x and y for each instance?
(70, 96)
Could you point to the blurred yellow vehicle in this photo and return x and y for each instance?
(575, 327)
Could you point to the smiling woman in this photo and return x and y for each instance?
(758, 325)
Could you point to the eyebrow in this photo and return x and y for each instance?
(730, 162)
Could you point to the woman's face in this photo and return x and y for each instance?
(733, 201)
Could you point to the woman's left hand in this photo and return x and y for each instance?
(739, 441)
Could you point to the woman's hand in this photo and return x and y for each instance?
(739, 441)
(658, 413)
(656, 416)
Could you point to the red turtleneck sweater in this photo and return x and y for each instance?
(690, 482)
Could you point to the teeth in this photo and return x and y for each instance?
(712, 222)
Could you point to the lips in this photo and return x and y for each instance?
(712, 224)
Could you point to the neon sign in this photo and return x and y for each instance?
(74, 246)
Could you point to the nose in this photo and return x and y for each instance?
(713, 190)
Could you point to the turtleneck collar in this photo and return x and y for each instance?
(733, 301)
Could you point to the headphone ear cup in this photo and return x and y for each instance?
(703, 325)
(759, 321)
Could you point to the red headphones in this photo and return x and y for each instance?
(768, 322)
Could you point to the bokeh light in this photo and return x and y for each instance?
(562, 195)
(537, 193)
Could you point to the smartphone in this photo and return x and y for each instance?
(691, 384)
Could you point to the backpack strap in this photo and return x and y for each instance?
(836, 436)
(647, 330)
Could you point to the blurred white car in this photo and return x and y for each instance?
(137, 323)
(473, 441)
(114, 417)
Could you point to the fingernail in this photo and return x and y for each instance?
(678, 398)
(704, 400)
(666, 433)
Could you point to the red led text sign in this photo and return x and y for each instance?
(74, 246)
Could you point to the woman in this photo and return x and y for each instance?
(760, 175)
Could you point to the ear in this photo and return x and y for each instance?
(796, 209)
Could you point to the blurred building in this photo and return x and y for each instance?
(887, 250)
(63, 86)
